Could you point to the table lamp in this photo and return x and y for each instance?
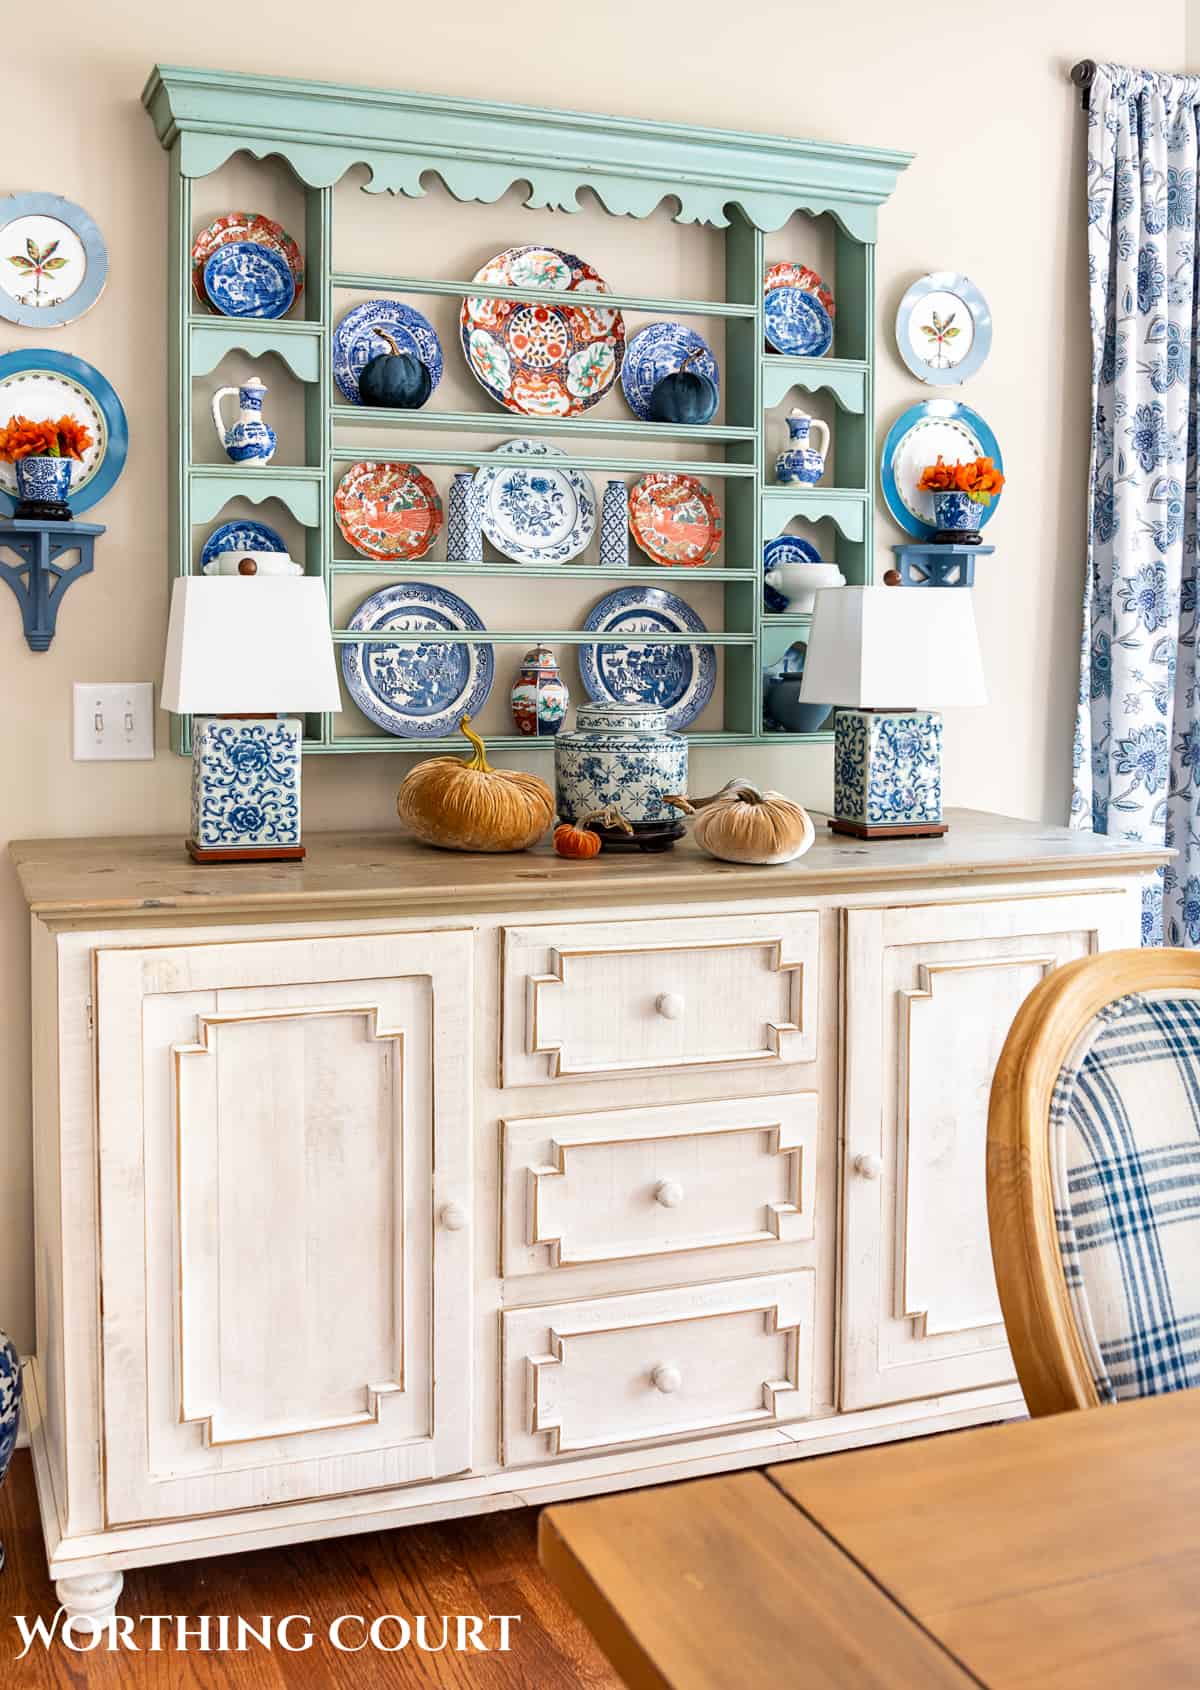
(888, 658)
(239, 650)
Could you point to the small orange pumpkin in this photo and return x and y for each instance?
(577, 839)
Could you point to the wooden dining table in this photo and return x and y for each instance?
(1053, 1554)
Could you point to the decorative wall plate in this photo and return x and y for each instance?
(678, 678)
(656, 351)
(798, 310)
(355, 342)
(915, 439)
(944, 328)
(244, 226)
(244, 279)
(674, 519)
(532, 512)
(388, 511)
(785, 548)
(419, 690)
(53, 261)
(43, 385)
(538, 359)
(243, 536)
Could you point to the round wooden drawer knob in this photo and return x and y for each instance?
(669, 1005)
(453, 1217)
(669, 1193)
(666, 1379)
(867, 1166)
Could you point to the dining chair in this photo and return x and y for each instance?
(1093, 1180)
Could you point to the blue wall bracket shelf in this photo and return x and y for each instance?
(934, 565)
(40, 580)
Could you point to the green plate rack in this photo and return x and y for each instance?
(745, 184)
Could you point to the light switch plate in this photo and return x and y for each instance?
(114, 721)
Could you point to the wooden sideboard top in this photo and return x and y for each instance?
(350, 873)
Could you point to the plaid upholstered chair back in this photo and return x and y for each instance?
(1094, 1181)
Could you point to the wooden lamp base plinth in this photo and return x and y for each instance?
(889, 830)
(244, 853)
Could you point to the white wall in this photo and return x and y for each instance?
(995, 190)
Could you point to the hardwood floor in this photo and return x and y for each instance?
(487, 1565)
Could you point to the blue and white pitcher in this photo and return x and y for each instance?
(249, 441)
(802, 461)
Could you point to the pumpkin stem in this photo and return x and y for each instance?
(691, 359)
(678, 802)
(740, 789)
(384, 335)
(479, 761)
(610, 817)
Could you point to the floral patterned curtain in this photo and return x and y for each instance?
(1137, 740)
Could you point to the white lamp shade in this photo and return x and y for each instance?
(237, 644)
(890, 647)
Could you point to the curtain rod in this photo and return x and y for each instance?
(1083, 75)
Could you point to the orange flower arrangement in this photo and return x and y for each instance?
(22, 438)
(980, 480)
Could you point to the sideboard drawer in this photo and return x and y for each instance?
(622, 1184)
(595, 1000)
(660, 1364)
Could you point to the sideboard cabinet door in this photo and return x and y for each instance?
(283, 1315)
(930, 994)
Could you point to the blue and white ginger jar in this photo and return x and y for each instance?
(10, 1407)
(622, 755)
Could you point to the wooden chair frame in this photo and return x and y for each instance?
(1046, 1345)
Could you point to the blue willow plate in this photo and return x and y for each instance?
(419, 689)
(785, 548)
(42, 385)
(678, 678)
(656, 351)
(246, 279)
(535, 513)
(917, 437)
(245, 536)
(797, 323)
(355, 342)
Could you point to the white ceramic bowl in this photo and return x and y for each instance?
(800, 581)
(264, 563)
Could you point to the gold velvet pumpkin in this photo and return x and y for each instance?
(744, 824)
(466, 805)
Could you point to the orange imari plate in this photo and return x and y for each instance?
(536, 357)
(388, 511)
(674, 519)
(244, 226)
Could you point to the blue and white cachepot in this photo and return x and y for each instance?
(623, 755)
(44, 484)
(887, 767)
(955, 512)
(10, 1407)
(246, 781)
(250, 440)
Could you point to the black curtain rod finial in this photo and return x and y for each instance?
(1083, 75)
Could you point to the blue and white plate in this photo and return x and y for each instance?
(785, 548)
(46, 385)
(419, 689)
(244, 536)
(355, 342)
(917, 437)
(247, 279)
(796, 322)
(659, 350)
(532, 512)
(678, 678)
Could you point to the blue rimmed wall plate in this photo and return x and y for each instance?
(53, 260)
(678, 678)
(355, 342)
(944, 328)
(656, 351)
(533, 512)
(248, 279)
(785, 548)
(42, 385)
(419, 689)
(916, 438)
(243, 536)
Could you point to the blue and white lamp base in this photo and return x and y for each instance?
(246, 789)
(887, 774)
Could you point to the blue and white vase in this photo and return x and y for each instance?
(539, 694)
(956, 513)
(621, 755)
(614, 526)
(246, 781)
(803, 460)
(43, 486)
(249, 441)
(10, 1408)
(464, 535)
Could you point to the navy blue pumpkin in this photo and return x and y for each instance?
(398, 380)
(685, 396)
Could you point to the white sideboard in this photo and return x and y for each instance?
(400, 1184)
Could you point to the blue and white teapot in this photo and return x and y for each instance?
(249, 441)
(803, 460)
